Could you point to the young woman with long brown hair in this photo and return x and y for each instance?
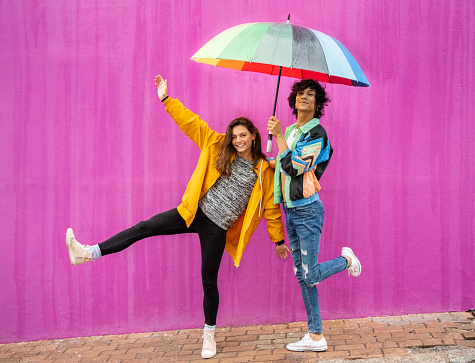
(231, 187)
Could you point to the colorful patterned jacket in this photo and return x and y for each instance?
(302, 165)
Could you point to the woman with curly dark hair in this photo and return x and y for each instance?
(231, 189)
(304, 154)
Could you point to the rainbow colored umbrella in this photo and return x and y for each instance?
(283, 49)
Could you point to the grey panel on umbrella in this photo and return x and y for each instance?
(307, 53)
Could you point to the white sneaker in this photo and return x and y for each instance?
(209, 345)
(307, 344)
(78, 253)
(355, 268)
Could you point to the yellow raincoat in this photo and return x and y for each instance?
(261, 203)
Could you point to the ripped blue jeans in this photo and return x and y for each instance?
(304, 228)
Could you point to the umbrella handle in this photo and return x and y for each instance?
(269, 143)
(269, 138)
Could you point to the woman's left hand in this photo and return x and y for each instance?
(281, 251)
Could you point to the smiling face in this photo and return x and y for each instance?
(305, 101)
(302, 91)
(242, 141)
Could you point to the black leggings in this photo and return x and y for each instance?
(212, 240)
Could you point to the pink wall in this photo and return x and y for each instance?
(85, 143)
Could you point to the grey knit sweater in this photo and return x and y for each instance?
(227, 199)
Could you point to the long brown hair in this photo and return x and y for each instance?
(226, 149)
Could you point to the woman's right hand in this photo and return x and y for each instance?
(161, 85)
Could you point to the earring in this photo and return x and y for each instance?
(254, 143)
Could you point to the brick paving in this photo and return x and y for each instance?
(348, 339)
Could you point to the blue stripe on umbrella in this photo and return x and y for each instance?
(335, 58)
(360, 77)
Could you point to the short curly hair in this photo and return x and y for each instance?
(321, 97)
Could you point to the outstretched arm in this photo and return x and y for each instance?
(191, 124)
(273, 214)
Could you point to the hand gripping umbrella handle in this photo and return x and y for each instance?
(269, 138)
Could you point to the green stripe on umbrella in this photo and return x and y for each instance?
(243, 46)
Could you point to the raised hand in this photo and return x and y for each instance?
(161, 85)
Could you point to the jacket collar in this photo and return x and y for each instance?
(310, 125)
(258, 167)
(307, 127)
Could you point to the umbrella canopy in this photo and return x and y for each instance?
(266, 47)
(284, 49)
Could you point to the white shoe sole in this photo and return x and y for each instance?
(69, 237)
(209, 355)
(307, 349)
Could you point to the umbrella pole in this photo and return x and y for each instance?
(269, 138)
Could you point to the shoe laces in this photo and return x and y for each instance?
(85, 248)
(306, 338)
(208, 341)
(352, 270)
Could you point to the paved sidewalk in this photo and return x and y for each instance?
(443, 337)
